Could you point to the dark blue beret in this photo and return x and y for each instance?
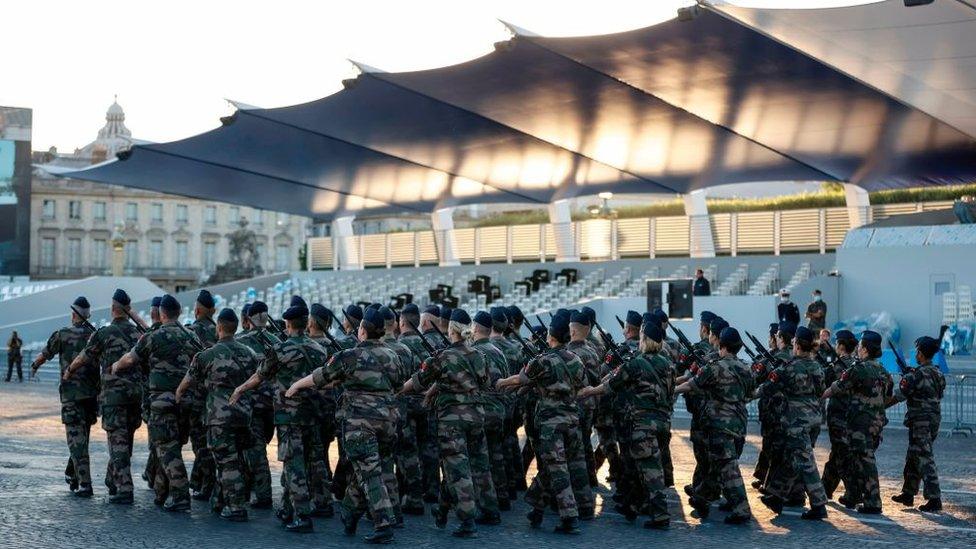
(774, 327)
(410, 309)
(354, 312)
(82, 302)
(206, 299)
(459, 315)
(649, 318)
(539, 330)
(634, 318)
(559, 327)
(928, 346)
(373, 318)
(590, 313)
(804, 334)
(293, 313)
(433, 310)
(499, 320)
(169, 304)
(386, 313)
(514, 313)
(258, 307)
(320, 312)
(373, 306)
(730, 336)
(561, 311)
(871, 337)
(845, 335)
(483, 318)
(787, 328)
(246, 309)
(297, 301)
(155, 301)
(580, 317)
(447, 312)
(121, 297)
(662, 316)
(706, 317)
(717, 326)
(227, 315)
(653, 331)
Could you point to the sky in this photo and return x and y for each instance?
(173, 64)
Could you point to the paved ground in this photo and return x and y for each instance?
(36, 509)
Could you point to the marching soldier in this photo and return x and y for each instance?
(558, 375)
(79, 393)
(414, 434)
(221, 368)
(772, 413)
(203, 474)
(319, 321)
(515, 320)
(513, 363)
(838, 462)
(494, 404)
(152, 463)
(923, 388)
(695, 403)
(120, 397)
(351, 317)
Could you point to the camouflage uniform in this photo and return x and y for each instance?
(923, 388)
(801, 382)
(298, 436)
(591, 364)
(347, 341)
(152, 461)
(558, 375)
(220, 369)
(408, 463)
(772, 412)
(431, 451)
(79, 397)
(513, 455)
(461, 375)
(262, 423)
(414, 434)
(867, 384)
(696, 404)
(368, 373)
(204, 472)
(326, 406)
(729, 385)
(649, 380)
(838, 463)
(120, 398)
(494, 406)
(167, 351)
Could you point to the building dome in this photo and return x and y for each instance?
(115, 111)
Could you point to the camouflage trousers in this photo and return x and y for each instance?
(368, 444)
(771, 433)
(586, 433)
(227, 443)
(495, 438)
(120, 423)
(864, 441)
(920, 461)
(607, 449)
(303, 474)
(724, 477)
(321, 495)
(646, 452)
(258, 471)
(836, 469)
(699, 447)
(78, 417)
(467, 468)
(167, 438)
(513, 454)
(413, 430)
(204, 473)
(799, 467)
(430, 454)
(563, 470)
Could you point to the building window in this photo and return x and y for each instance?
(74, 253)
(182, 254)
(235, 215)
(281, 219)
(47, 252)
(99, 251)
(210, 215)
(74, 209)
(181, 213)
(47, 212)
(131, 254)
(259, 218)
(155, 254)
(157, 212)
(281, 258)
(131, 211)
(98, 211)
(209, 256)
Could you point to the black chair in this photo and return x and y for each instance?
(447, 289)
(436, 295)
(542, 275)
(527, 284)
(572, 275)
(476, 286)
(450, 301)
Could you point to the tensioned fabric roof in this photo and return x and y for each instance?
(670, 108)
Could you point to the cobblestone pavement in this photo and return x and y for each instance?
(36, 509)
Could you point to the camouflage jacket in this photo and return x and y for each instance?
(591, 367)
(369, 375)
(597, 344)
(416, 346)
(729, 385)
(326, 399)
(106, 346)
(838, 404)
(284, 364)
(258, 340)
(801, 382)
(695, 402)
(649, 379)
(512, 351)
(868, 385)
(347, 341)
(167, 351)
(221, 369)
(922, 388)
(66, 344)
(557, 375)
(461, 376)
(406, 363)
(495, 401)
(205, 330)
(436, 339)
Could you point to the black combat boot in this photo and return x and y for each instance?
(931, 506)
(301, 525)
(847, 501)
(465, 530)
(488, 518)
(818, 512)
(418, 510)
(796, 501)
(380, 535)
(736, 519)
(775, 503)
(440, 515)
(350, 520)
(239, 515)
(121, 498)
(865, 509)
(586, 513)
(627, 511)
(568, 525)
(660, 524)
(176, 506)
(907, 500)
(262, 503)
(325, 511)
(700, 505)
(535, 517)
(284, 516)
(85, 491)
(725, 506)
(504, 504)
(200, 495)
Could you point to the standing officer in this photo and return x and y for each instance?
(284, 363)
(816, 313)
(221, 368)
(786, 310)
(167, 350)
(79, 393)
(923, 388)
(203, 474)
(558, 375)
(837, 468)
(121, 394)
(259, 339)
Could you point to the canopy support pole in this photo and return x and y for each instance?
(700, 241)
(858, 205)
(442, 221)
(561, 218)
(345, 242)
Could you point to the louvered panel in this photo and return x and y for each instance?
(492, 241)
(320, 253)
(525, 242)
(722, 232)
(755, 232)
(838, 223)
(671, 237)
(465, 244)
(633, 237)
(426, 248)
(595, 238)
(799, 230)
(402, 248)
(374, 250)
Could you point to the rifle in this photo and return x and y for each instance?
(332, 341)
(535, 337)
(752, 355)
(140, 323)
(902, 366)
(336, 320)
(764, 352)
(621, 322)
(541, 323)
(84, 320)
(611, 345)
(423, 339)
(687, 344)
(277, 329)
(525, 346)
(193, 337)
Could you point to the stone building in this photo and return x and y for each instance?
(176, 242)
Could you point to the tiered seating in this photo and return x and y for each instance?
(802, 274)
(767, 283)
(638, 286)
(736, 283)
